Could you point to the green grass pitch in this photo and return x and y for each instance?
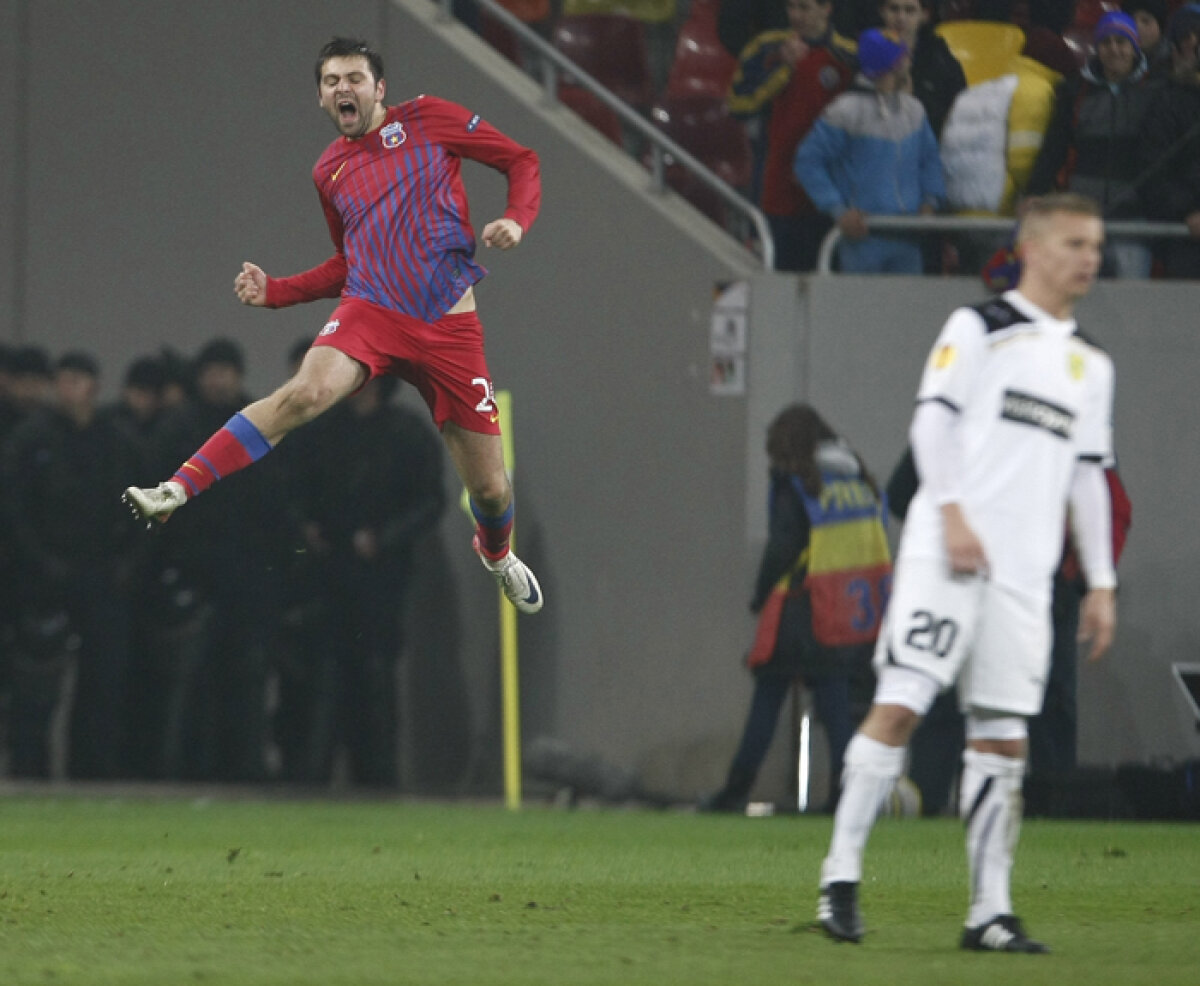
(103, 889)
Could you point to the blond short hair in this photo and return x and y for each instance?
(1037, 210)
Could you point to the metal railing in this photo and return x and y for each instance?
(552, 65)
(1128, 229)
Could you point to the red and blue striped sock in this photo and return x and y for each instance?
(493, 532)
(234, 447)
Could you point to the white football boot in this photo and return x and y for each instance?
(520, 585)
(157, 503)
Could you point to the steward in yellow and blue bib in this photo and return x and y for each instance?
(825, 573)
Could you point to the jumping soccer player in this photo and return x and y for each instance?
(404, 268)
(1012, 426)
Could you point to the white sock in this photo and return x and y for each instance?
(991, 805)
(870, 770)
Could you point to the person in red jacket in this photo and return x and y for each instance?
(788, 77)
(404, 271)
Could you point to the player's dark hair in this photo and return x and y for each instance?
(349, 48)
(792, 440)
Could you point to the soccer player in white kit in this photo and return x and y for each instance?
(1012, 427)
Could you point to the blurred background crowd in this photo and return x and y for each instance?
(253, 637)
(1020, 98)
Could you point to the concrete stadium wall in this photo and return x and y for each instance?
(13, 82)
(161, 143)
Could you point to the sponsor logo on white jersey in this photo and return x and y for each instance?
(1030, 410)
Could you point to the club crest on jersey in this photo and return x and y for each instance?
(393, 135)
(1075, 366)
(330, 328)
(1029, 410)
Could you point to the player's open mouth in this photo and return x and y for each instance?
(347, 111)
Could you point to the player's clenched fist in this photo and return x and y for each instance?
(502, 233)
(251, 285)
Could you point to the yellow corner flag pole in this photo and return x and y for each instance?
(509, 687)
(509, 690)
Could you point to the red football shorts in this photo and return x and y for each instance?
(443, 359)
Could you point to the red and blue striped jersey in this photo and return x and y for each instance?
(397, 210)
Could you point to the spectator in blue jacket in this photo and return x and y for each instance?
(872, 152)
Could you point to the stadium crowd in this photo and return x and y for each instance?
(1019, 98)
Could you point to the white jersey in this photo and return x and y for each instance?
(1031, 397)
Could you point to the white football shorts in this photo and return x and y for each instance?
(994, 642)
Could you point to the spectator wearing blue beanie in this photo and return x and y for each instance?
(1116, 23)
(1169, 151)
(879, 52)
(872, 152)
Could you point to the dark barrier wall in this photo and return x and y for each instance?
(158, 144)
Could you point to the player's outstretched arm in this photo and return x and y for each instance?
(250, 285)
(502, 233)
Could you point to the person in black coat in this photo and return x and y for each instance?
(216, 581)
(937, 76)
(372, 488)
(1170, 147)
(1151, 19)
(1091, 143)
(75, 549)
